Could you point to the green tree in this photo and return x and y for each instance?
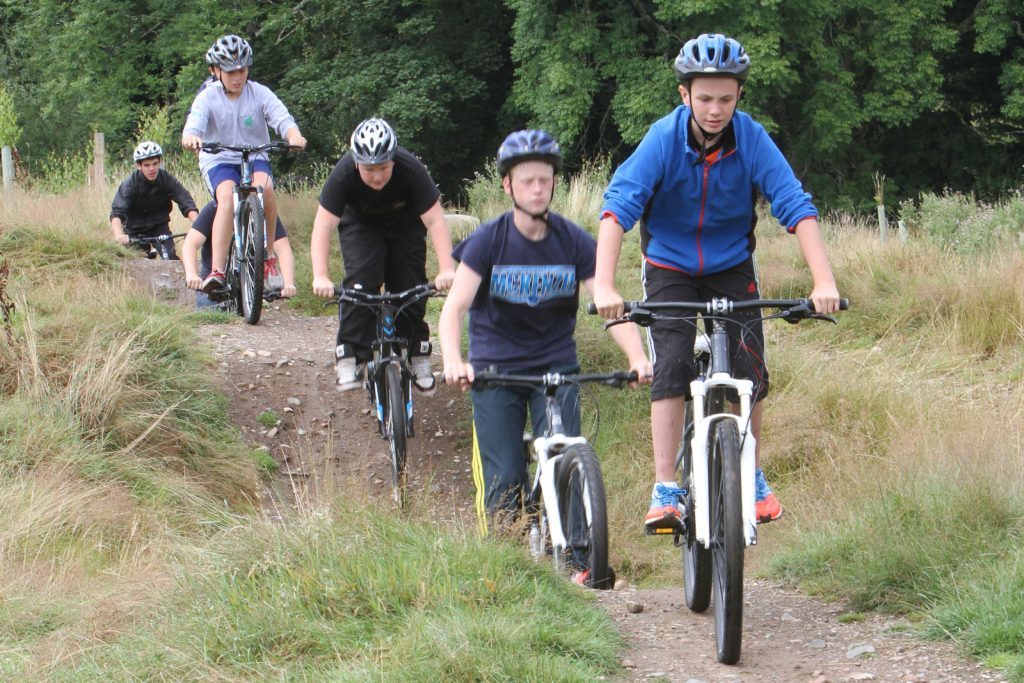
(10, 131)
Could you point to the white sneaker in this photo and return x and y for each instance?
(272, 277)
(350, 373)
(424, 382)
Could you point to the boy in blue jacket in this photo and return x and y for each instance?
(692, 183)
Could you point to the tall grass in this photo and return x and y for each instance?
(347, 594)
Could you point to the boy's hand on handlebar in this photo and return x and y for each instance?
(644, 372)
(460, 373)
(193, 142)
(825, 298)
(288, 291)
(123, 239)
(323, 287)
(296, 140)
(608, 302)
(444, 280)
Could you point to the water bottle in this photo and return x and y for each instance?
(536, 542)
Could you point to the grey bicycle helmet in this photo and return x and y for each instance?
(528, 145)
(147, 150)
(231, 53)
(373, 142)
(210, 61)
(712, 54)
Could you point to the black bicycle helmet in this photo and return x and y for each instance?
(528, 145)
(712, 54)
(373, 142)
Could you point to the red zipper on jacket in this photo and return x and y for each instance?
(700, 221)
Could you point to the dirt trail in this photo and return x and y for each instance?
(327, 438)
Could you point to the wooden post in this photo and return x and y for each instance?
(8, 168)
(883, 223)
(98, 156)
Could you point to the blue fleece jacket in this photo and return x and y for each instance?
(698, 218)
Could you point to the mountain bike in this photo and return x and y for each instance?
(159, 245)
(247, 249)
(716, 460)
(565, 507)
(389, 377)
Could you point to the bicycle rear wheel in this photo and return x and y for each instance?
(696, 557)
(581, 504)
(253, 255)
(395, 426)
(727, 542)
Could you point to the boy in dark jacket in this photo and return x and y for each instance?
(142, 205)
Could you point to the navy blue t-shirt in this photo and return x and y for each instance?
(204, 226)
(524, 314)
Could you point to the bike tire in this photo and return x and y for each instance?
(696, 557)
(727, 541)
(581, 502)
(395, 429)
(253, 256)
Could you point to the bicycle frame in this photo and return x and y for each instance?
(389, 348)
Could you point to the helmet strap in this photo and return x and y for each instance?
(705, 138)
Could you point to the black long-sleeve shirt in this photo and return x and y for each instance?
(143, 205)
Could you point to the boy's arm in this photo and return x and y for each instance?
(324, 225)
(183, 198)
(449, 327)
(118, 212)
(609, 244)
(627, 336)
(193, 241)
(437, 227)
(195, 123)
(825, 294)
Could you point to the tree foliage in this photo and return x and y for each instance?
(10, 131)
(928, 92)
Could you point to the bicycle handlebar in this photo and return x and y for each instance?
(488, 379)
(358, 296)
(153, 239)
(643, 313)
(276, 146)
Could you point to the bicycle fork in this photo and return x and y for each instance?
(545, 479)
(702, 426)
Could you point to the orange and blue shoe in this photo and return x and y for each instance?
(768, 507)
(664, 512)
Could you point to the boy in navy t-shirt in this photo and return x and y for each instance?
(519, 278)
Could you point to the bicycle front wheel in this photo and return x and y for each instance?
(696, 557)
(726, 536)
(234, 279)
(253, 255)
(395, 429)
(584, 517)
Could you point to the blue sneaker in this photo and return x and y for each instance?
(664, 512)
(768, 507)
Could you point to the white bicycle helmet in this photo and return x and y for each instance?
(147, 150)
(373, 142)
(210, 61)
(231, 53)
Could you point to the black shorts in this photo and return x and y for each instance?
(671, 341)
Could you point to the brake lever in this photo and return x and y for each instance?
(639, 316)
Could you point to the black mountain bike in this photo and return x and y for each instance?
(716, 460)
(388, 375)
(247, 250)
(159, 245)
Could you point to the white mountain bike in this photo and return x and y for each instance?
(716, 460)
(565, 507)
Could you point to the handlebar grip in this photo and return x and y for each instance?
(627, 306)
(592, 308)
(844, 304)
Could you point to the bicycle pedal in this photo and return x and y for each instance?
(660, 531)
